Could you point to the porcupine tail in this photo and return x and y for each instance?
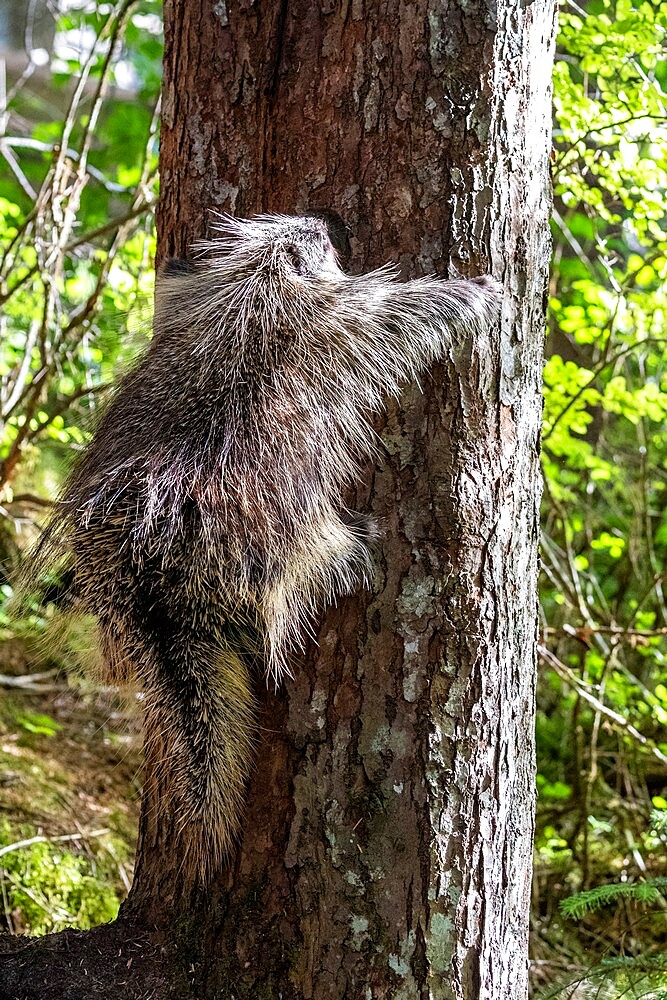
(199, 745)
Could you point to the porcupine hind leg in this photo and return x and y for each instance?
(329, 560)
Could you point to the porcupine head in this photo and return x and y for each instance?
(205, 523)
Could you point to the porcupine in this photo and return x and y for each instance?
(205, 522)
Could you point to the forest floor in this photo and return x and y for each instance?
(69, 773)
(69, 802)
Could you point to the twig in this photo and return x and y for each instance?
(55, 912)
(15, 168)
(52, 840)
(577, 684)
(115, 223)
(5, 904)
(18, 142)
(594, 374)
(560, 164)
(21, 379)
(31, 499)
(587, 631)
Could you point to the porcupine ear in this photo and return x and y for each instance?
(176, 267)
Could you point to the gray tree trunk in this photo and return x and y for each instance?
(387, 845)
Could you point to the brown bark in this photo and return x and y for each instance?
(387, 843)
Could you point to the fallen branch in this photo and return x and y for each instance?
(52, 840)
(30, 682)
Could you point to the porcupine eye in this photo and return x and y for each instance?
(294, 258)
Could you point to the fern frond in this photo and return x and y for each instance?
(582, 903)
(640, 977)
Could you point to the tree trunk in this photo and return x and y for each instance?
(387, 842)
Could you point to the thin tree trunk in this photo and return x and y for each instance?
(387, 843)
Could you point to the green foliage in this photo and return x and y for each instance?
(582, 903)
(641, 975)
(76, 242)
(641, 978)
(38, 724)
(76, 280)
(605, 505)
(631, 979)
(48, 887)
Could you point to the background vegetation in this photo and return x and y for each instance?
(76, 250)
(79, 149)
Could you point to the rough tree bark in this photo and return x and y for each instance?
(387, 842)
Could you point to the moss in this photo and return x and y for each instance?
(49, 887)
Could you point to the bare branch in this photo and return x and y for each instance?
(583, 691)
(52, 840)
